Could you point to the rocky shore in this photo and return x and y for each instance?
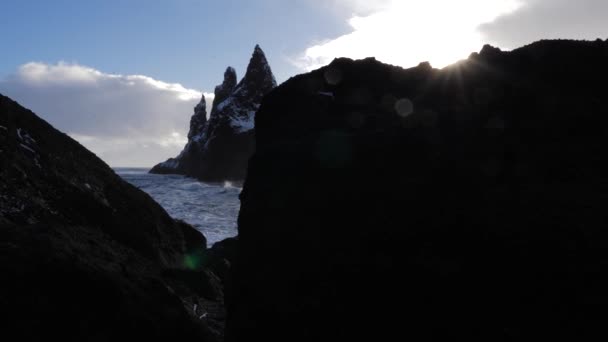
(85, 255)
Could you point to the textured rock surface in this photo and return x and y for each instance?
(85, 255)
(389, 204)
(199, 119)
(219, 149)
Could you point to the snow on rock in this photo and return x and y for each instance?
(219, 148)
(25, 137)
(29, 144)
(27, 148)
(245, 123)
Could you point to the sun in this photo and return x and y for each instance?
(406, 33)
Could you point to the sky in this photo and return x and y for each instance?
(122, 76)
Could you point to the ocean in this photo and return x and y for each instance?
(211, 208)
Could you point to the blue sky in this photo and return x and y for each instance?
(185, 41)
(122, 76)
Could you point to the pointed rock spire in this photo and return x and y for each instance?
(219, 148)
(258, 72)
(224, 90)
(198, 120)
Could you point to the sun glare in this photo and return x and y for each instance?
(407, 33)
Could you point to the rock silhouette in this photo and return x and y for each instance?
(391, 204)
(85, 255)
(218, 149)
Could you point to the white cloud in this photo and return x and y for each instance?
(175, 139)
(409, 32)
(127, 151)
(549, 19)
(40, 74)
(127, 120)
(359, 7)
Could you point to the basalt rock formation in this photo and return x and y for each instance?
(218, 149)
(420, 204)
(85, 255)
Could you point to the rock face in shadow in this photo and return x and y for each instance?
(218, 149)
(391, 204)
(85, 255)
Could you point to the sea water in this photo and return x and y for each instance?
(210, 208)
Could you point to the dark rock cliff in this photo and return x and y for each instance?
(218, 149)
(85, 255)
(393, 204)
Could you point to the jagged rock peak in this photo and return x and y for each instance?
(489, 50)
(229, 79)
(219, 148)
(224, 90)
(259, 72)
(199, 118)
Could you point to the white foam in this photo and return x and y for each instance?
(209, 207)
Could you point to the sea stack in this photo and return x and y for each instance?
(218, 148)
